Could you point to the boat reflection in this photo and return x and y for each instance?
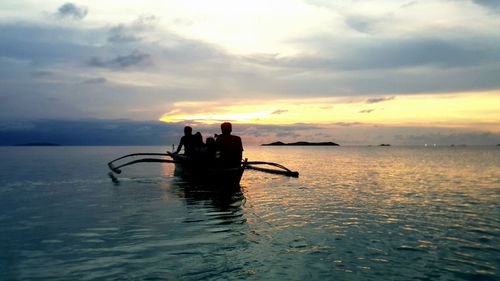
(206, 201)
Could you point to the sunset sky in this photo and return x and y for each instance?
(349, 71)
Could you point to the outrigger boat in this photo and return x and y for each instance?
(199, 173)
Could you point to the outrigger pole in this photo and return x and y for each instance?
(249, 164)
(285, 171)
(145, 160)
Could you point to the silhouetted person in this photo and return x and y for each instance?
(229, 146)
(198, 142)
(188, 141)
(210, 150)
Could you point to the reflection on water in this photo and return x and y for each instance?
(404, 212)
(354, 214)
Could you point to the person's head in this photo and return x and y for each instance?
(198, 137)
(188, 131)
(226, 128)
(210, 142)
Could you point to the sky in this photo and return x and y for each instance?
(355, 72)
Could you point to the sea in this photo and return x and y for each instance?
(354, 213)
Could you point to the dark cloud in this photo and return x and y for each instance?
(44, 44)
(41, 44)
(90, 132)
(35, 101)
(126, 33)
(376, 100)
(135, 58)
(385, 82)
(128, 132)
(120, 34)
(360, 24)
(391, 54)
(70, 10)
(382, 67)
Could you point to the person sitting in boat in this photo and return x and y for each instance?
(210, 150)
(187, 141)
(198, 144)
(229, 147)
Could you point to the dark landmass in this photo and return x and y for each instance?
(38, 144)
(384, 144)
(301, 143)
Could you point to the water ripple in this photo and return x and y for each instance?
(354, 214)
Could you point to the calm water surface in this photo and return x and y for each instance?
(355, 213)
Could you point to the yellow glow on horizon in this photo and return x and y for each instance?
(444, 110)
(210, 118)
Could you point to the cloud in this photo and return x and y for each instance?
(135, 58)
(90, 132)
(70, 10)
(279, 111)
(409, 4)
(328, 64)
(376, 100)
(136, 31)
(490, 4)
(287, 135)
(391, 53)
(361, 24)
(128, 132)
(184, 70)
(120, 34)
(97, 80)
(31, 102)
(366, 110)
(45, 45)
(42, 73)
(347, 124)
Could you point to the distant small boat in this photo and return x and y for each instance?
(384, 144)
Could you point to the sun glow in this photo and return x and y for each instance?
(211, 118)
(453, 110)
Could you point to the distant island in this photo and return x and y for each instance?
(38, 144)
(301, 143)
(385, 144)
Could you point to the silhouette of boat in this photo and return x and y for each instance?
(207, 175)
(202, 173)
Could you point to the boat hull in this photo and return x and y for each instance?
(202, 174)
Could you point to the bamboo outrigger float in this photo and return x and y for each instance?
(199, 172)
